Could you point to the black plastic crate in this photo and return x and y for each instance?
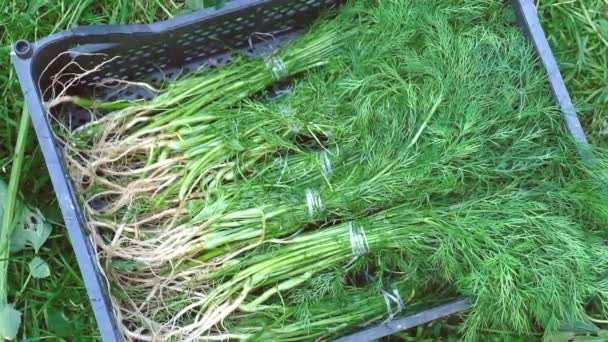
(165, 49)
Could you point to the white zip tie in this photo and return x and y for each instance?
(389, 299)
(280, 93)
(313, 202)
(283, 161)
(325, 163)
(358, 240)
(278, 68)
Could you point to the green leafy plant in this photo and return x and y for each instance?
(425, 145)
(8, 217)
(20, 227)
(578, 35)
(55, 307)
(572, 26)
(10, 320)
(39, 269)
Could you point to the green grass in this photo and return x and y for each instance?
(578, 34)
(58, 306)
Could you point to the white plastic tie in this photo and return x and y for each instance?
(313, 202)
(358, 240)
(278, 68)
(325, 163)
(283, 163)
(280, 93)
(394, 303)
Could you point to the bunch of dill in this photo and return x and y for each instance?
(425, 155)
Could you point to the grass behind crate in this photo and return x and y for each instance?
(577, 31)
(57, 307)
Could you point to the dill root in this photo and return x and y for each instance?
(416, 157)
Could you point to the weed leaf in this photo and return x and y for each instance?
(59, 323)
(32, 231)
(35, 5)
(39, 268)
(10, 320)
(31, 228)
(198, 4)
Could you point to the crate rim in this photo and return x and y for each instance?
(126, 31)
(24, 54)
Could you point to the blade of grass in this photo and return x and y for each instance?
(9, 206)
